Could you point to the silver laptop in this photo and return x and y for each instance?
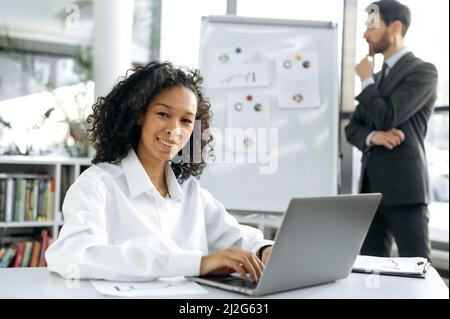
(317, 243)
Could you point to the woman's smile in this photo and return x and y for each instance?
(167, 144)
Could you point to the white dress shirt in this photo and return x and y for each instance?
(118, 227)
(393, 59)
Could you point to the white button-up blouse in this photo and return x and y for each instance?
(118, 227)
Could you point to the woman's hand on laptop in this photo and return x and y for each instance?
(232, 260)
(266, 254)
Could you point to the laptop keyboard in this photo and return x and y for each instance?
(233, 280)
(242, 283)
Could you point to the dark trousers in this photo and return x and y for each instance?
(407, 224)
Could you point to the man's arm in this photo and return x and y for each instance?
(356, 132)
(408, 98)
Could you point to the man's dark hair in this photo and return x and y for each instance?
(390, 11)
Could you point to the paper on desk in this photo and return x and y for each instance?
(413, 266)
(161, 287)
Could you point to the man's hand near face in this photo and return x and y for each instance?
(364, 69)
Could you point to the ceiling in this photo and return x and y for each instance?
(50, 22)
(47, 19)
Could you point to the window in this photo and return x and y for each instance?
(436, 145)
(318, 10)
(180, 28)
(180, 22)
(39, 116)
(427, 38)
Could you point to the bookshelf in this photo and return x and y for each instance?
(64, 171)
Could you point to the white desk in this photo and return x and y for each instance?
(39, 283)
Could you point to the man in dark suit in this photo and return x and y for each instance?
(389, 126)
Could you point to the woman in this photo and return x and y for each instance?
(136, 214)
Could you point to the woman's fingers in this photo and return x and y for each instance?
(249, 261)
(232, 259)
(237, 266)
(259, 266)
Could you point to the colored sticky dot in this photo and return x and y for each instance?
(258, 107)
(287, 64)
(306, 64)
(238, 50)
(223, 58)
(238, 107)
(247, 141)
(297, 98)
(298, 57)
(249, 97)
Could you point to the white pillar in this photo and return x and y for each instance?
(113, 28)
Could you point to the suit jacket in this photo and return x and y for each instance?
(404, 101)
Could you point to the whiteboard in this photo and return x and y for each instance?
(278, 80)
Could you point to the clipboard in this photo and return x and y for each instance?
(415, 267)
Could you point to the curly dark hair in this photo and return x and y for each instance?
(113, 125)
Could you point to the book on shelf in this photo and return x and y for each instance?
(26, 197)
(44, 246)
(3, 183)
(35, 253)
(24, 251)
(27, 254)
(11, 184)
(8, 256)
(19, 254)
(34, 199)
(19, 200)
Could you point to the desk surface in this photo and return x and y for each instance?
(39, 283)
